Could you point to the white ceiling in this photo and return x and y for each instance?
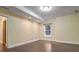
(55, 12)
(36, 13)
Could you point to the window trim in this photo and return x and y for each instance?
(47, 30)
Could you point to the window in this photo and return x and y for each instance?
(47, 30)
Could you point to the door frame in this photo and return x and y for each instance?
(4, 40)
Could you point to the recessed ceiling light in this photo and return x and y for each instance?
(45, 8)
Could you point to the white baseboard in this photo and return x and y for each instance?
(68, 42)
(15, 45)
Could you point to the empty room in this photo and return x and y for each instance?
(39, 28)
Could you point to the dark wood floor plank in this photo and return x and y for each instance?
(44, 46)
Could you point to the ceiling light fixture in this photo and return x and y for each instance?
(45, 8)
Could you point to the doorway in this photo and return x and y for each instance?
(3, 40)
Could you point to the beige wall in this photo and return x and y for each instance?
(20, 30)
(1, 30)
(67, 28)
(64, 29)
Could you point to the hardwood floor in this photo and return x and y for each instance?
(45, 46)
